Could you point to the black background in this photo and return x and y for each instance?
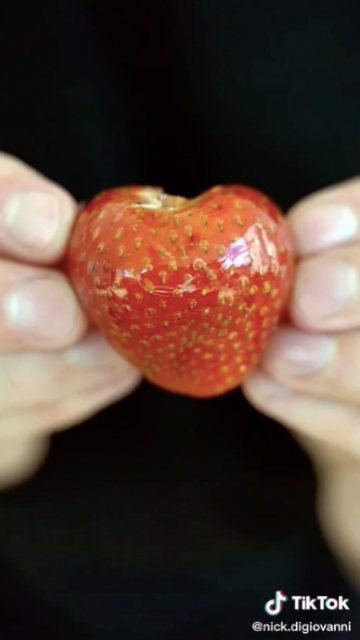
(166, 517)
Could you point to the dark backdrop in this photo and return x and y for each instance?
(166, 517)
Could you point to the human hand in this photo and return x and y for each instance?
(309, 377)
(54, 371)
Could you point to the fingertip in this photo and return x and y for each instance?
(326, 219)
(325, 293)
(41, 312)
(262, 391)
(37, 224)
(36, 214)
(94, 352)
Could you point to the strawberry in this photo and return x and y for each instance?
(188, 290)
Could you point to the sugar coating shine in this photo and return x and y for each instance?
(214, 272)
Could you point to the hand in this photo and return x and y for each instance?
(309, 377)
(54, 372)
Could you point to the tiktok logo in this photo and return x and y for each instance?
(274, 606)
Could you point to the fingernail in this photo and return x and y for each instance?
(32, 218)
(292, 353)
(324, 226)
(324, 291)
(45, 309)
(95, 353)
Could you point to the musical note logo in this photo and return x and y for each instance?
(274, 606)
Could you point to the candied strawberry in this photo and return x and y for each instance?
(188, 290)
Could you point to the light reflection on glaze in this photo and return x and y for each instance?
(236, 255)
(254, 248)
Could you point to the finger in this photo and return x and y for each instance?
(326, 291)
(55, 416)
(36, 214)
(20, 459)
(30, 378)
(318, 365)
(327, 421)
(327, 219)
(38, 309)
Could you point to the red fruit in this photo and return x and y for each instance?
(188, 290)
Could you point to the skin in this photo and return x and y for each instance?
(56, 373)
